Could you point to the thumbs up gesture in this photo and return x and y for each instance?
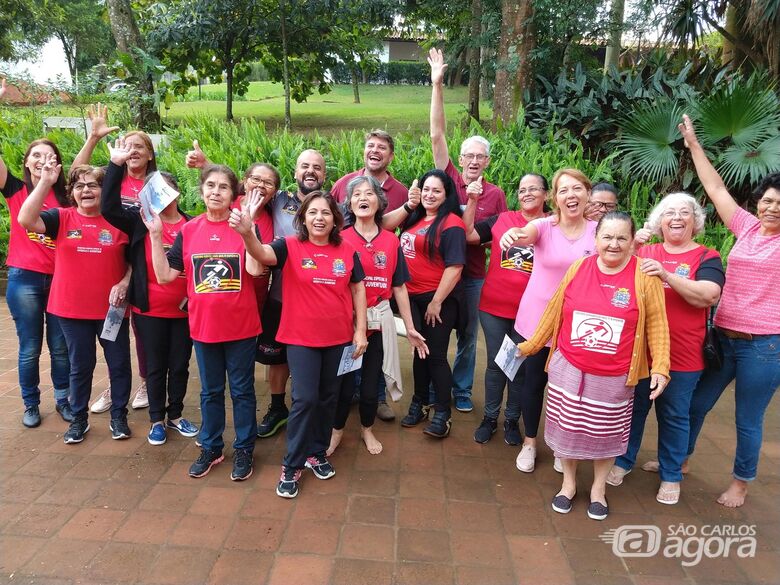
(474, 189)
(643, 235)
(196, 158)
(414, 195)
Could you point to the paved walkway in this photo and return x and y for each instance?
(424, 511)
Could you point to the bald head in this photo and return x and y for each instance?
(309, 171)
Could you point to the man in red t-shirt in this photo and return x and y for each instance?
(474, 159)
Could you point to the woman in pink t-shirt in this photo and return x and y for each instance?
(558, 240)
(748, 318)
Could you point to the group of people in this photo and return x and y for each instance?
(605, 321)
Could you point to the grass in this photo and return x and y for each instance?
(395, 108)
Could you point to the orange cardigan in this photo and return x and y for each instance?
(652, 328)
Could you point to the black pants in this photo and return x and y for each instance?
(435, 368)
(168, 349)
(315, 390)
(370, 373)
(532, 380)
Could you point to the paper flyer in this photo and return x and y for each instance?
(506, 358)
(347, 364)
(156, 194)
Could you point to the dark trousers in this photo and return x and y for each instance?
(314, 392)
(370, 373)
(140, 352)
(168, 348)
(80, 336)
(435, 368)
(532, 380)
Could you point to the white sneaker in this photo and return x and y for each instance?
(103, 402)
(557, 465)
(526, 460)
(141, 399)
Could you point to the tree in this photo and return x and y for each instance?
(513, 62)
(474, 54)
(616, 14)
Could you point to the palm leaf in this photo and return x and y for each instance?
(740, 163)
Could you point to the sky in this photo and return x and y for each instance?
(50, 63)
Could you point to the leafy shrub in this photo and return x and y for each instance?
(394, 72)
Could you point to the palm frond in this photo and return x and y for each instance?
(739, 163)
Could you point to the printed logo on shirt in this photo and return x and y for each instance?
(290, 209)
(43, 239)
(621, 298)
(217, 273)
(518, 258)
(407, 245)
(105, 238)
(339, 268)
(73, 235)
(308, 264)
(683, 270)
(380, 259)
(215, 238)
(597, 333)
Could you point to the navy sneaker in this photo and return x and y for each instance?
(119, 428)
(485, 430)
(598, 511)
(76, 431)
(185, 427)
(157, 434)
(288, 482)
(272, 422)
(320, 466)
(32, 417)
(463, 404)
(418, 412)
(65, 411)
(512, 434)
(242, 465)
(562, 504)
(205, 462)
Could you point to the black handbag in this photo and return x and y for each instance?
(713, 352)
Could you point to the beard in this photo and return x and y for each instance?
(303, 188)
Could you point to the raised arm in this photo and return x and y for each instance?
(393, 219)
(100, 129)
(110, 199)
(474, 190)
(525, 235)
(441, 156)
(196, 158)
(710, 179)
(30, 213)
(162, 268)
(3, 172)
(258, 255)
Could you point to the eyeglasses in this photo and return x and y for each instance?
(531, 190)
(81, 186)
(472, 156)
(604, 205)
(259, 181)
(684, 213)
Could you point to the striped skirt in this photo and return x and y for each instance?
(588, 416)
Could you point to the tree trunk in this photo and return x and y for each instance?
(229, 67)
(616, 14)
(457, 79)
(285, 68)
(355, 85)
(474, 56)
(128, 37)
(513, 60)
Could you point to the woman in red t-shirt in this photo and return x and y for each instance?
(386, 274)
(507, 276)
(604, 317)
(322, 296)
(223, 318)
(434, 245)
(30, 268)
(90, 273)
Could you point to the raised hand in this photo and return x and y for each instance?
(438, 66)
(474, 189)
(51, 169)
(510, 237)
(240, 221)
(3, 87)
(98, 114)
(688, 132)
(196, 158)
(153, 224)
(119, 152)
(415, 193)
(253, 202)
(643, 235)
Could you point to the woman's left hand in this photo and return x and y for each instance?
(360, 342)
(118, 294)
(433, 313)
(658, 383)
(240, 221)
(417, 341)
(654, 268)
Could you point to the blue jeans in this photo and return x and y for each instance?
(755, 364)
(80, 335)
(672, 412)
(237, 359)
(495, 328)
(466, 355)
(27, 295)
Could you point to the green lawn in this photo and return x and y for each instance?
(397, 108)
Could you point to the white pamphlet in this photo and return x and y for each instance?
(156, 195)
(113, 322)
(507, 359)
(347, 363)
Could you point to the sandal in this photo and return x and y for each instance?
(668, 493)
(651, 466)
(616, 475)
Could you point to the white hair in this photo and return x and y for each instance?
(479, 140)
(677, 198)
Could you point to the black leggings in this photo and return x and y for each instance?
(532, 380)
(369, 385)
(435, 368)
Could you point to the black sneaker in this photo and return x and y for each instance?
(31, 417)
(512, 434)
(205, 462)
(485, 430)
(242, 465)
(76, 431)
(440, 424)
(272, 422)
(418, 412)
(320, 466)
(65, 411)
(288, 482)
(119, 428)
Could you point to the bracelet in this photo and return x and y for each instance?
(408, 209)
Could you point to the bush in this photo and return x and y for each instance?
(394, 72)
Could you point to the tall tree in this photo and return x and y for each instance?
(513, 62)
(474, 58)
(616, 15)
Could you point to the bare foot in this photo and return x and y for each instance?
(335, 439)
(734, 496)
(372, 443)
(653, 466)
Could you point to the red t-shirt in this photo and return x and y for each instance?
(395, 191)
(27, 250)
(265, 227)
(317, 306)
(220, 293)
(90, 260)
(450, 251)
(129, 190)
(165, 299)
(599, 319)
(508, 272)
(491, 202)
(687, 324)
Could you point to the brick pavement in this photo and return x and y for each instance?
(424, 511)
